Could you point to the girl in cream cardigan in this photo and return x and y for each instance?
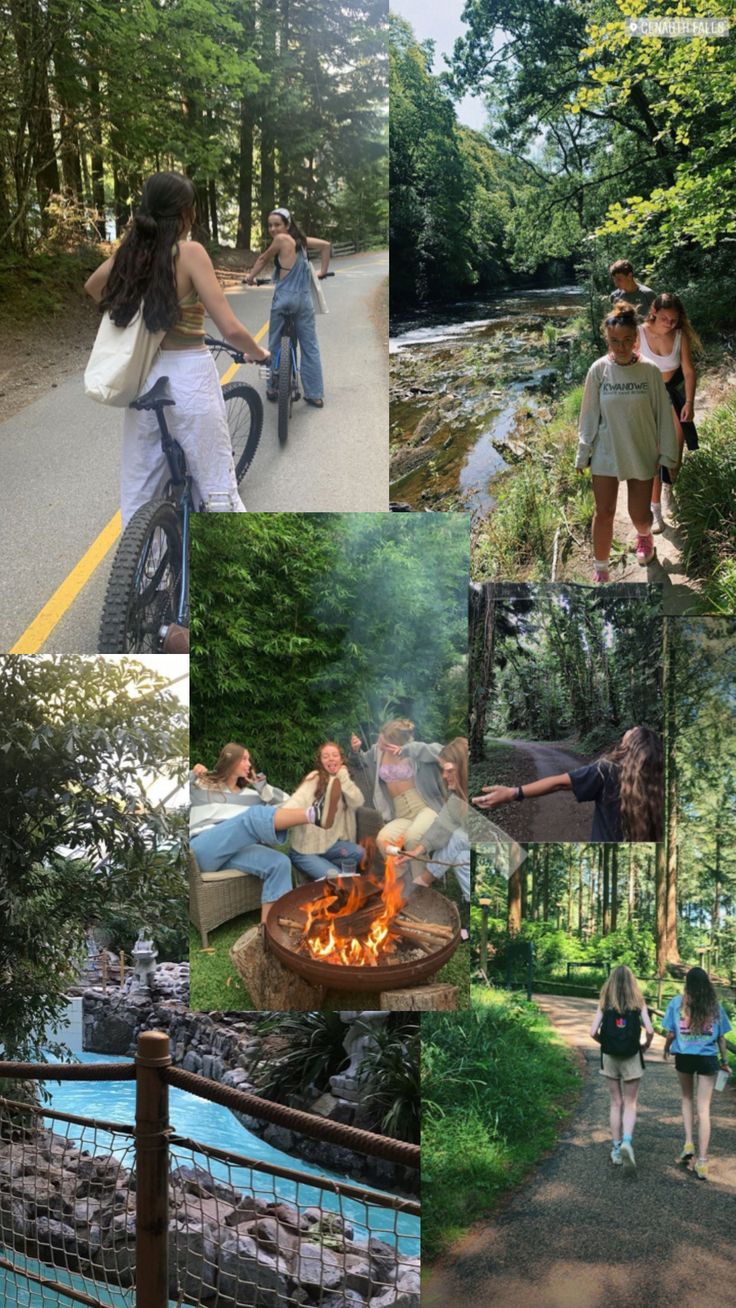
(323, 851)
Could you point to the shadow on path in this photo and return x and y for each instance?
(580, 1234)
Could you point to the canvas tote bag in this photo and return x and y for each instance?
(120, 361)
(318, 300)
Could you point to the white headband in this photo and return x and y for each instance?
(284, 214)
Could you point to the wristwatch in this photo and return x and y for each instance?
(519, 794)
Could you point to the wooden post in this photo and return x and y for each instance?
(152, 1170)
(484, 906)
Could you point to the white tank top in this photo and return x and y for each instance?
(665, 362)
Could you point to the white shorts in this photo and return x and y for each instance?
(197, 420)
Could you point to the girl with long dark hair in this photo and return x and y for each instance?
(289, 250)
(174, 280)
(323, 851)
(626, 433)
(696, 1024)
(626, 785)
(668, 340)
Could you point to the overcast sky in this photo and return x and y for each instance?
(440, 21)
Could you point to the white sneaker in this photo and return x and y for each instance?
(658, 523)
(616, 1155)
(627, 1156)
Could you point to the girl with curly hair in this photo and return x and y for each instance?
(323, 851)
(156, 266)
(696, 1024)
(626, 785)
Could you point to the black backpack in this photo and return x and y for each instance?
(620, 1034)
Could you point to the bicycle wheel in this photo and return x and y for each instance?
(244, 408)
(284, 389)
(143, 589)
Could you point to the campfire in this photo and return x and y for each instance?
(360, 933)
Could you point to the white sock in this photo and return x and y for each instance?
(597, 563)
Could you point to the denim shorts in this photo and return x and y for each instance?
(704, 1064)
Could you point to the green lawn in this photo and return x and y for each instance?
(497, 1082)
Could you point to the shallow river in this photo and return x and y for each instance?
(462, 382)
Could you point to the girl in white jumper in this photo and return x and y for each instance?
(626, 434)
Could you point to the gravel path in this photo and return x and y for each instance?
(580, 1234)
(553, 818)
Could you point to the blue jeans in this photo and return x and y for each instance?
(292, 295)
(324, 865)
(456, 852)
(243, 842)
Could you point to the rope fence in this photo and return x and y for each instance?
(138, 1216)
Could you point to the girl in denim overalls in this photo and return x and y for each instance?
(293, 294)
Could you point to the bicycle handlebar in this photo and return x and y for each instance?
(237, 356)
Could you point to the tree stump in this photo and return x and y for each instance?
(422, 999)
(271, 986)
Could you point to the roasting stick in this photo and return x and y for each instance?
(420, 858)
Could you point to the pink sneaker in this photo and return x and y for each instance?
(644, 550)
(601, 575)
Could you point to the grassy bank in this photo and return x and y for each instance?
(540, 527)
(543, 509)
(496, 1083)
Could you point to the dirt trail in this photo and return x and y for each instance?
(580, 1234)
(680, 593)
(558, 817)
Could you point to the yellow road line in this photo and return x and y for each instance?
(39, 630)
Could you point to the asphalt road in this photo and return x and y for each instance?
(60, 459)
(579, 1233)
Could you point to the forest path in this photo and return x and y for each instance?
(680, 593)
(581, 1234)
(558, 817)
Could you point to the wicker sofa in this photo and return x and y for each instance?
(218, 897)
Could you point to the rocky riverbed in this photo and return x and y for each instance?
(464, 391)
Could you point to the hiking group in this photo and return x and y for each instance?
(695, 1025)
(637, 411)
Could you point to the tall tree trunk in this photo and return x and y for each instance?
(214, 225)
(97, 159)
(632, 884)
(545, 891)
(669, 667)
(269, 23)
(606, 907)
(661, 909)
(614, 887)
(514, 903)
(481, 639)
(245, 176)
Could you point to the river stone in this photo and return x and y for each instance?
(275, 1238)
(290, 1217)
(247, 1275)
(345, 1299)
(318, 1266)
(192, 1261)
(248, 1209)
(111, 1034)
(359, 1275)
(197, 1180)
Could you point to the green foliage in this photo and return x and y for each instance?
(485, 1118)
(97, 95)
(78, 835)
(390, 1077)
(312, 1051)
(318, 625)
(705, 505)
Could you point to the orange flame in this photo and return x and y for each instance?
(321, 939)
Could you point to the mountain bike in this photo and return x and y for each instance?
(148, 586)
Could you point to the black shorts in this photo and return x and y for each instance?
(704, 1064)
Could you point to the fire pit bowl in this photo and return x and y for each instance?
(424, 903)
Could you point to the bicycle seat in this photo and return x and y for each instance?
(156, 398)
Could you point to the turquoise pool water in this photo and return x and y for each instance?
(114, 1101)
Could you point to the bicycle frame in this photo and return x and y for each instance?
(180, 484)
